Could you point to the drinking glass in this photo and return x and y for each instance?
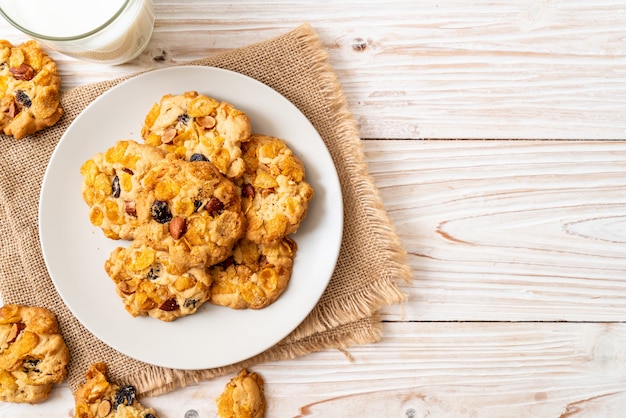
(105, 31)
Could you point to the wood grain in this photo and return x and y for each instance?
(508, 230)
(497, 231)
(430, 369)
(519, 296)
(455, 69)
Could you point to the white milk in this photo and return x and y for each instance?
(111, 31)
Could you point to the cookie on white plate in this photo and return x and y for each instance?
(275, 194)
(195, 127)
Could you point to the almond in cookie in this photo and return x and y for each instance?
(275, 195)
(29, 89)
(196, 212)
(33, 354)
(150, 285)
(99, 398)
(113, 187)
(254, 276)
(196, 127)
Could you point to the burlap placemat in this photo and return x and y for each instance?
(371, 259)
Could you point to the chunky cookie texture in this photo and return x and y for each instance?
(113, 188)
(29, 89)
(149, 284)
(208, 208)
(33, 355)
(99, 398)
(199, 128)
(196, 212)
(254, 276)
(195, 220)
(274, 191)
(243, 397)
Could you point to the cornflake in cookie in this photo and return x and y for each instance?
(113, 184)
(99, 398)
(243, 397)
(197, 127)
(33, 355)
(150, 285)
(196, 212)
(254, 276)
(29, 89)
(275, 195)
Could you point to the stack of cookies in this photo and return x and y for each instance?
(208, 207)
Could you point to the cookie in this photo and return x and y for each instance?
(275, 195)
(243, 397)
(150, 285)
(254, 276)
(99, 398)
(33, 355)
(113, 184)
(196, 211)
(197, 127)
(29, 89)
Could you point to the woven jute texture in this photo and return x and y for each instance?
(371, 261)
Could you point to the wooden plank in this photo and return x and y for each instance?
(429, 369)
(455, 69)
(508, 230)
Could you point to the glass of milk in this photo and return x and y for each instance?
(106, 31)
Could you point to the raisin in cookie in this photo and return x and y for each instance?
(29, 89)
(243, 397)
(275, 196)
(150, 285)
(99, 398)
(33, 355)
(196, 211)
(113, 184)
(254, 276)
(197, 127)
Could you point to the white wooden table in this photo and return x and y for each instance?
(518, 246)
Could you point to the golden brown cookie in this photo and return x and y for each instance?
(113, 184)
(196, 211)
(150, 285)
(99, 398)
(275, 195)
(254, 276)
(197, 127)
(243, 397)
(29, 89)
(33, 355)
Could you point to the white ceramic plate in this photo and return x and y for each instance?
(75, 251)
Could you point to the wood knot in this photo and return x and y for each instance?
(160, 56)
(359, 44)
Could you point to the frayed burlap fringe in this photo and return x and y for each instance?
(371, 260)
(358, 307)
(365, 331)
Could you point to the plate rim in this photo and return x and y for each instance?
(123, 85)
